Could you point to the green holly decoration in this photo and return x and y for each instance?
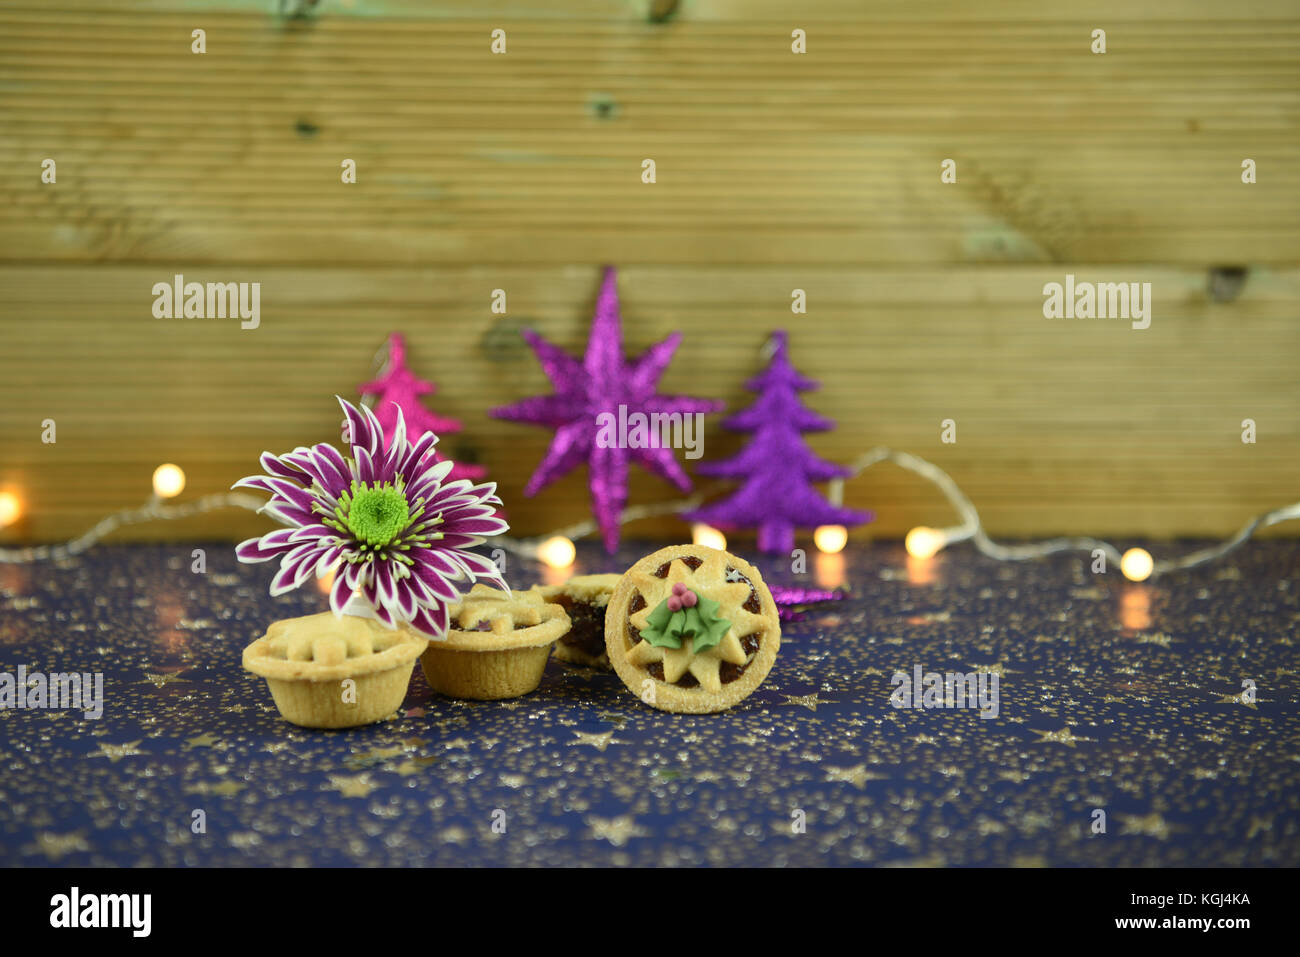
(665, 628)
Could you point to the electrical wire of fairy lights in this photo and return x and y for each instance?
(921, 542)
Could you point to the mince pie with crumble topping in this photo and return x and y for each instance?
(692, 629)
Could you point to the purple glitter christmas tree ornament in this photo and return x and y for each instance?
(777, 467)
(603, 385)
(397, 393)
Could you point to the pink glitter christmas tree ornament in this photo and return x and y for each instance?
(399, 390)
(603, 384)
(778, 468)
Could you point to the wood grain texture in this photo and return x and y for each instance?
(775, 171)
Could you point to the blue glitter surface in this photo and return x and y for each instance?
(1113, 696)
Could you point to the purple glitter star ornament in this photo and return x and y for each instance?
(590, 393)
(788, 599)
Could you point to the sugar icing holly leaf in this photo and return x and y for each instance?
(663, 627)
(709, 628)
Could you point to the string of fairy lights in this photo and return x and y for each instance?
(556, 550)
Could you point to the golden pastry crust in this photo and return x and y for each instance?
(505, 661)
(516, 620)
(329, 671)
(717, 678)
(593, 592)
(329, 647)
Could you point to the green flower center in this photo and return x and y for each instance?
(377, 514)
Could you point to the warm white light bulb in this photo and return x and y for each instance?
(830, 538)
(168, 481)
(557, 552)
(708, 536)
(10, 508)
(1136, 564)
(924, 542)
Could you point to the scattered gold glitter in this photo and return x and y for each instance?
(161, 680)
(1237, 699)
(809, 701)
(618, 830)
(226, 788)
(352, 787)
(598, 741)
(1150, 825)
(1160, 639)
(1064, 736)
(56, 846)
(1258, 825)
(858, 775)
(116, 752)
(414, 766)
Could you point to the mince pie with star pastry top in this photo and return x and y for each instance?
(497, 645)
(692, 629)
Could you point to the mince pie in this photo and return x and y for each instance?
(692, 629)
(496, 646)
(335, 671)
(584, 598)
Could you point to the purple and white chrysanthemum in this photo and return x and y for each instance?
(396, 534)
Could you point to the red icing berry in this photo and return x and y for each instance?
(674, 603)
(679, 589)
(689, 599)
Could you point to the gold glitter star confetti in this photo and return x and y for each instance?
(617, 830)
(598, 741)
(809, 701)
(162, 679)
(225, 788)
(1158, 638)
(858, 775)
(56, 846)
(116, 752)
(201, 741)
(1257, 825)
(367, 759)
(998, 668)
(1150, 825)
(352, 787)
(1237, 699)
(1064, 736)
(414, 766)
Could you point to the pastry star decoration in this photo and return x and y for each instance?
(604, 385)
(707, 581)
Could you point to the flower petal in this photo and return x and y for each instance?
(431, 620)
(266, 547)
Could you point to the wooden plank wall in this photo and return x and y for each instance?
(775, 172)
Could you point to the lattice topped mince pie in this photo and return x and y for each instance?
(496, 646)
(306, 661)
(692, 629)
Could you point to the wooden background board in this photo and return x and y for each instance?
(775, 172)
